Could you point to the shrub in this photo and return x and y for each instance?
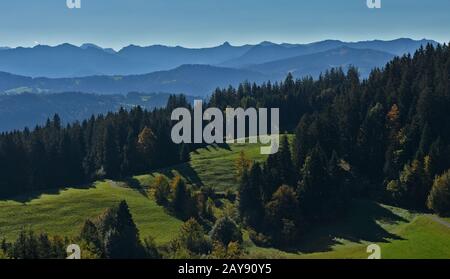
(233, 251)
(259, 239)
(225, 231)
(162, 190)
(150, 249)
(192, 237)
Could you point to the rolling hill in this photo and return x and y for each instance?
(315, 64)
(28, 110)
(400, 233)
(194, 80)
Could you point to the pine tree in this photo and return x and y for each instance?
(392, 162)
(286, 166)
(414, 184)
(371, 147)
(250, 199)
(130, 158)
(89, 233)
(242, 165)
(283, 216)
(119, 234)
(314, 190)
(185, 153)
(271, 178)
(439, 197)
(182, 202)
(147, 144)
(111, 156)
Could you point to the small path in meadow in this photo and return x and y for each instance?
(439, 220)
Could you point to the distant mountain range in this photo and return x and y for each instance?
(67, 60)
(71, 61)
(267, 51)
(190, 71)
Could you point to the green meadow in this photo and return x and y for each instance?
(400, 233)
(212, 166)
(64, 212)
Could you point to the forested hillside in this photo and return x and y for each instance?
(356, 143)
(28, 110)
(114, 145)
(390, 134)
(385, 138)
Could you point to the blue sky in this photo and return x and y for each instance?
(200, 23)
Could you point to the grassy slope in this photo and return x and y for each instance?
(400, 233)
(424, 238)
(212, 166)
(63, 213)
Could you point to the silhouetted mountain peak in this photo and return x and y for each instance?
(94, 46)
(267, 43)
(89, 45)
(67, 46)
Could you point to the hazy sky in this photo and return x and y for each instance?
(200, 23)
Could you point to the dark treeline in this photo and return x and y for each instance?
(115, 146)
(386, 138)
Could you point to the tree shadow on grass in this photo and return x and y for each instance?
(28, 197)
(358, 226)
(190, 175)
(134, 184)
(185, 170)
(224, 145)
(214, 147)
